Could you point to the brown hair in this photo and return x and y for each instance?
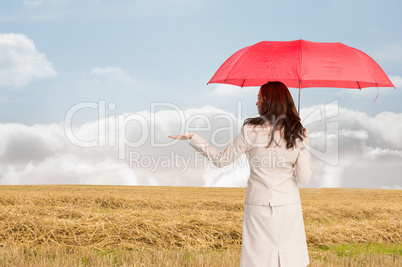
(279, 109)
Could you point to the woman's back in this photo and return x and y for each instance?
(272, 178)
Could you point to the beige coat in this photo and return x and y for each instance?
(274, 171)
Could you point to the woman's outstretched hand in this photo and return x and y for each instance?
(182, 136)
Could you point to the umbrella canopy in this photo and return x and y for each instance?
(301, 64)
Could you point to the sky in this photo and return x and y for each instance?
(90, 90)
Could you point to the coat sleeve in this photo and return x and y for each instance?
(304, 169)
(220, 159)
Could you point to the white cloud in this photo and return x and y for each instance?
(225, 91)
(21, 63)
(234, 175)
(111, 74)
(37, 3)
(67, 169)
(32, 3)
(352, 134)
(396, 187)
(375, 153)
(369, 148)
(383, 129)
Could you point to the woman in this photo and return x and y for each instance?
(274, 143)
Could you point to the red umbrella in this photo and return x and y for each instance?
(301, 64)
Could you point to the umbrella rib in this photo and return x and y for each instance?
(378, 92)
(356, 51)
(238, 59)
(301, 62)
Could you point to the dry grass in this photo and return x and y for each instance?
(337, 216)
(183, 226)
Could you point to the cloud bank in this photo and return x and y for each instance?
(133, 149)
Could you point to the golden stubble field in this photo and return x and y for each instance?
(71, 225)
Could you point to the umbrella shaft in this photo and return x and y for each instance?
(298, 108)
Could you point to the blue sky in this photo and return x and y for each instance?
(170, 49)
(134, 53)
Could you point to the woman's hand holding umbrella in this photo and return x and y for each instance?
(182, 136)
